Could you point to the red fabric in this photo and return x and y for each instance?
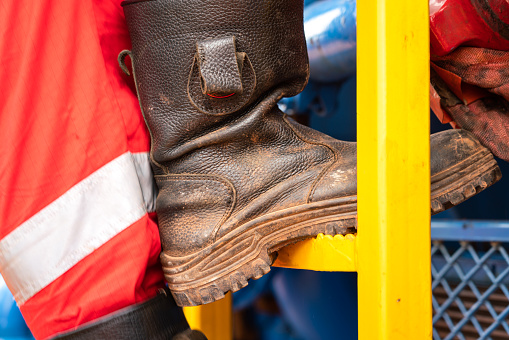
(481, 86)
(66, 110)
(436, 107)
(457, 23)
(486, 69)
(470, 53)
(64, 103)
(124, 271)
(469, 93)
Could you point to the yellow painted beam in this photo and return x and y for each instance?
(393, 240)
(323, 253)
(213, 319)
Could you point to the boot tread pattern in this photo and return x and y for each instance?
(257, 267)
(470, 185)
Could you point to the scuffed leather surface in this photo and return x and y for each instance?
(187, 201)
(339, 179)
(156, 319)
(164, 35)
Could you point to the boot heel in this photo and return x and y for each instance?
(216, 290)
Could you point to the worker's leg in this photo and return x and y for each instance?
(77, 238)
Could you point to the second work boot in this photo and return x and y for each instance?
(237, 178)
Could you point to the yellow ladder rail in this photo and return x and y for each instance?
(393, 245)
(214, 319)
(391, 252)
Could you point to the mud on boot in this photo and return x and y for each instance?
(237, 178)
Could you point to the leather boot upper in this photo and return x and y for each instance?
(170, 37)
(209, 75)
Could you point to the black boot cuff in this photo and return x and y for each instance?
(157, 319)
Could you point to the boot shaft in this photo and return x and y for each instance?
(201, 64)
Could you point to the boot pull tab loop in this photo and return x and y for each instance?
(220, 72)
(221, 80)
(121, 61)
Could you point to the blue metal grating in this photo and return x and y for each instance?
(470, 280)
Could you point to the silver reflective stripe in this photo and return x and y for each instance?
(84, 218)
(148, 185)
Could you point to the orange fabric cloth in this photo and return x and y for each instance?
(470, 55)
(66, 110)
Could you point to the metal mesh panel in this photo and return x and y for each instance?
(470, 293)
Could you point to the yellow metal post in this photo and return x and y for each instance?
(393, 241)
(214, 319)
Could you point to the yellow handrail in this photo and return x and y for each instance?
(214, 319)
(394, 261)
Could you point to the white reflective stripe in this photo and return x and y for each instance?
(147, 182)
(84, 218)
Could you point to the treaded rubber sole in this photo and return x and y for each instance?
(464, 183)
(230, 262)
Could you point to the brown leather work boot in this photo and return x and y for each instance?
(237, 178)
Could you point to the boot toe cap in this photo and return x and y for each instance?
(452, 147)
